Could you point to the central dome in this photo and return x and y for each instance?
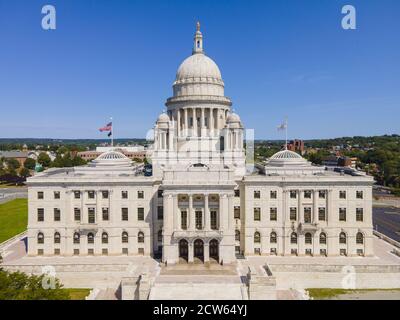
(198, 67)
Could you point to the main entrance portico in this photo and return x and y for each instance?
(199, 251)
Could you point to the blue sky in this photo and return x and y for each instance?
(278, 58)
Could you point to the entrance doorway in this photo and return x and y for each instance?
(199, 250)
(214, 250)
(183, 250)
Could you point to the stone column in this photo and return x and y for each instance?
(178, 120)
(329, 205)
(315, 207)
(202, 124)
(206, 251)
(191, 252)
(212, 122)
(207, 225)
(191, 214)
(194, 122)
(301, 212)
(175, 211)
(186, 122)
(222, 210)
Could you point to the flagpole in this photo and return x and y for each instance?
(286, 133)
(112, 134)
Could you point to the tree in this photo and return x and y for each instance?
(20, 286)
(30, 164)
(44, 159)
(12, 164)
(24, 172)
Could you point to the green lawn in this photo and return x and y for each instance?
(322, 294)
(13, 218)
(77, 294)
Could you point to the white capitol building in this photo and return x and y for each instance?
(201, 204)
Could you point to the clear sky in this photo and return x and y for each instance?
(277, 57)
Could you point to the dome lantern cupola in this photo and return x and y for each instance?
(198, 40)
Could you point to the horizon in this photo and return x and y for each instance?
(277, 59)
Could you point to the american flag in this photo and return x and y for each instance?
(107, 127)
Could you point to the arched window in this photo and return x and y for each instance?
(342, 238)
(104, 237)
(159, 236)
(90, 238)
(140, 237)
(272, 237)
(293, 238)
(322, 238)
(40, 237)
(57, 237)
(308, 238)
(77, 238)
(359, 238)
(125, 237)
(237, 235)
(257, 237)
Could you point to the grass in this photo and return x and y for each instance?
(11, 185)
(13, 218)
(77, 294)
(322, 294)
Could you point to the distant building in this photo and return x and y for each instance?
(296, 146)
(132, 152)
(20, 156)
(339, 161)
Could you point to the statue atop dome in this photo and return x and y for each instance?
(198, 40)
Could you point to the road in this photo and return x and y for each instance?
(387, 221)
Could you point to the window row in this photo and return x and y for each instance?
(91, 194)
(91, 214)
(307, 214)
(90, 237)
(307, 194)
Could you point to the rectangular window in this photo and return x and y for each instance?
(321, 214)
(359, 214)
(141, 251)
(236, 212)
(124, 214)
(272, 251)
(40, 195)
(213, 218)
(293, 252)
(322, 194)
(91, 215)
(104, 251)
(237, 193)
(40, 214)
(257, 194)
(57, 214)
(360, 252)
(257, 214)
(199, 220)
(308, 252)
(359, 195)
(106, 214)
(184, 220)
(77, 214)
(91, 194)
(90, 252)
(307, 215)
(342, 194)
(77, 194)
(140, 194)
(160, 193)
(293, 214)
(56, 194)
(322, 252)
(40, 252)
(257, 251)
(140, 212)
(293, 194)
(57, 252)
(343, 252)
(76, 252)
(273, 214)
(307, 194)
(160, 212)
(124, 194)
(273, 194)
(104, 194)
(125, 251)
(342, 214)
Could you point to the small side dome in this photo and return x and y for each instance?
(286, 154)
(163, 118)
(111, 158)
(233, 118)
